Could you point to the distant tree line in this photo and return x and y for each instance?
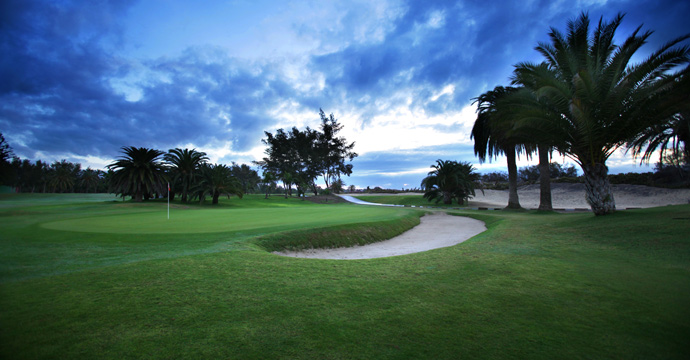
(141, 173)
(666, 174)
(298, 157)
(144, 173)
(39, 176)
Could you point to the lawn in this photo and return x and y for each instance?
(95, 278)
(410, 200)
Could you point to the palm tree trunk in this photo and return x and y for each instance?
(216, 195)
(447, 199)
(513, 200)
(545, 203)
(138, 194)
(598, 189)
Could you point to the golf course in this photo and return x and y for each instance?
(85, 276)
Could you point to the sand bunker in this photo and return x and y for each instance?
(435, 231)
(441, 230)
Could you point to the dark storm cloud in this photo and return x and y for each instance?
(58, 96)
(474, 46)
(68, 88)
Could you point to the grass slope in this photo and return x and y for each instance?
(408, 200)
(532, 286)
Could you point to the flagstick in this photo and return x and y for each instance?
(168, 201)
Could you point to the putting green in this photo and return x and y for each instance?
(222, 220)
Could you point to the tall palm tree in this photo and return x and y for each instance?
(185, 165)
(595, 101)
(138, 173)
(450, 180)
(216, 180)
(491, 134)
(512, 103)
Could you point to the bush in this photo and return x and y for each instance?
(671, 176)
(570, 180)
(632, 178)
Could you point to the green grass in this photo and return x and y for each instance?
(408, 200)
(533, 286)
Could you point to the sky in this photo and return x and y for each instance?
(82, 79)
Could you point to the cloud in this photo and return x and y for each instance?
(400, 75)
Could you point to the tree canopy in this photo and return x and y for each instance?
(299, 157)
(586, 99)
(450, 180)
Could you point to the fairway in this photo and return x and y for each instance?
(86, 277)
(221, 220)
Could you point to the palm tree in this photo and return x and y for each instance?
(185, 165)
(591, 101)
(269, 182)
(216, 180)
(491, 134)
(138, 173)
(673, 135)
(63, 175)
(89, 179)
(450, 180)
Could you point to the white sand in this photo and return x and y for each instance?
(435, 230)
(572, 196)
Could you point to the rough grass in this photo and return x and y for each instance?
(407, 200)
(338, 236)
(537, 286)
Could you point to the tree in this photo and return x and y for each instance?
(215, 180)
(333, 151)
(249, 179)
(590, 101)
(302, 145)
(138, 173)
(268, 182)
(337, 186)
(30, 175)
(185, 166)
(671, 136)
(89, 179)
(492, 137)
(280, 158)
(555, 170)
(6, 155)
(450, 180)
(62, 176)
(299, 157)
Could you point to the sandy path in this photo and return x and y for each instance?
(435, 231)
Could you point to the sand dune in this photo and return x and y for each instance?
(570, 196)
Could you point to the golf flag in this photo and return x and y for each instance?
(168, 201)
